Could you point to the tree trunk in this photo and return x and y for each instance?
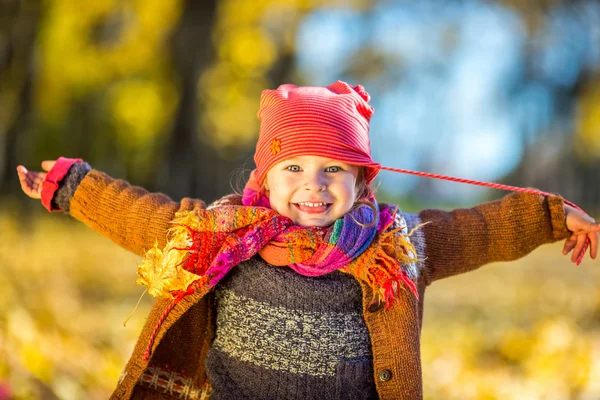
(19, 26)
(192, 53)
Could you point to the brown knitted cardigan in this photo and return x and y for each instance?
(456, 242)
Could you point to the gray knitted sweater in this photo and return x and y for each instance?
(281, 335)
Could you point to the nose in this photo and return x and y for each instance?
(316, 182)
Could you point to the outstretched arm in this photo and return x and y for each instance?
(504, 230)
(129, 215)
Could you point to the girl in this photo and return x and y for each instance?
(344, 320)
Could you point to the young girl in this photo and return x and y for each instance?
(304, 287)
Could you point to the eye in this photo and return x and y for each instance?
(293, 168)
(333, 169)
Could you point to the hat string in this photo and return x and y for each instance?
(492, 185)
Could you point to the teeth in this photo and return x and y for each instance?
(313, 204)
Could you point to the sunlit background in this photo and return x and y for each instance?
(165, 94)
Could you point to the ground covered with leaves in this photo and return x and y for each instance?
(523, 330)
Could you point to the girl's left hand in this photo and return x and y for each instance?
(31, 181)
(582, 226)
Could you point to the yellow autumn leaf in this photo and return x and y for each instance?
(159, 270)
(179, 233)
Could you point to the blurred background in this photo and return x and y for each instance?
(165, 94)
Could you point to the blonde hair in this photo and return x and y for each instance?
(363, 194)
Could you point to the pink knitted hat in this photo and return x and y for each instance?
(331, 121)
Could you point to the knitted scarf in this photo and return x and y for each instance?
(205, 245)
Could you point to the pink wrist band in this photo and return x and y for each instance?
(55, 175)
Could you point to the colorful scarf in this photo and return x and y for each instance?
(204, 245)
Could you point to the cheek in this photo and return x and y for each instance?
(352, 190)
(346, 193)
(278, 196)
(284, 185)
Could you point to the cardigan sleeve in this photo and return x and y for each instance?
(129, 215)
(462, 240)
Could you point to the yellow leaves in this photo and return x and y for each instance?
(587, 137)
(557, 347)
(507, 362)
(61, 307)
(250, 49)
(234, 13)
(36, 362)
(515, 344)
(159, 273)
(84, 48)
(231, 104)
(230, 88)
(512, 332)
(140, 108)
(156, 18)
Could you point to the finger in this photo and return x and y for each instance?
(21, 171)
(23, 174)
(594, 227)
(48, 164)
(593, 236)
(578, 247)
(25, 186)
(569, 244)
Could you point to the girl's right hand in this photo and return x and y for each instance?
(31, 181)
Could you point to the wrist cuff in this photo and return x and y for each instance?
(55, 175)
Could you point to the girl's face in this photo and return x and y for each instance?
(312, 190)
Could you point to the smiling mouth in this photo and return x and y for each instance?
(312, 208)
